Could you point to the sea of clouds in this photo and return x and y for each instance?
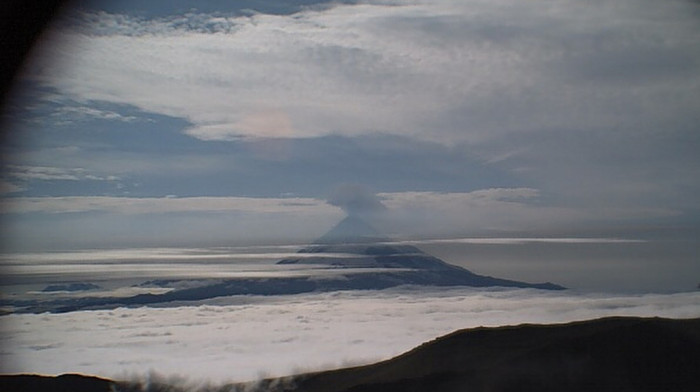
(248, 337)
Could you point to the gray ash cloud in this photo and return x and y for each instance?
(356, 199)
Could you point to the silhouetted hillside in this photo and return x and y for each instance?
(611, 354)
(62, 383)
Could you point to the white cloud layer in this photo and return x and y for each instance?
(445, 70)
(242, 338)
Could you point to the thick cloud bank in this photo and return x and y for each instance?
(449, 70)
(245, 338)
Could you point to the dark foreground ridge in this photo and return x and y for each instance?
(609, 354)
(352, 244)
(62, 383)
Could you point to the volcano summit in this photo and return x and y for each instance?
(355, 244)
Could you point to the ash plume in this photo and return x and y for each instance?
(356, 199)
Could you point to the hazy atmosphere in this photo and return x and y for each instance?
(152, 148)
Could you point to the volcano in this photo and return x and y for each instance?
(358, 255)
(351, 230)
(353, 243)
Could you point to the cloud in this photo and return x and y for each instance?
(45, 173)
(8, 187)
(593, 105)
(70, 114)
(241, 338)
(451, 213)
(88, 222)
(483, 69)
(355, 199)
(157, 255)
(263, 123)
(478, 198)
(520, 241)
(99, 221)
(497, 210)
(152, 205)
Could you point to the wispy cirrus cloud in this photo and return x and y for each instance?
(9, 187)
(154, 205)
(497, 209)
(46, 173)
(70, 114)
(417, 215)
(522, 240)
(505, 195)
(78, 222)
(396, 201)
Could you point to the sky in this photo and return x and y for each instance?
(217, 122)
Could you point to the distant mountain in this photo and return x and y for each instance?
(350, 245)
(355, 244)
(350, 230)
(617, 354)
